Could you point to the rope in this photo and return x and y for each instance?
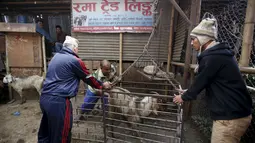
(144, 50)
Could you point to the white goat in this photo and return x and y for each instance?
(148, 105)
(130, 106)
(153, 70)
(125, 102)
(19, 84)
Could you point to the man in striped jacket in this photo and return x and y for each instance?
(104, 73)
(62, 82)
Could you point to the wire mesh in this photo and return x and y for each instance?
(230, 15)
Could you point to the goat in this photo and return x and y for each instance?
(148, 105)
(19, 84)
(127, 104)
(154, 71)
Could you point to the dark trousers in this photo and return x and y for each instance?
(90, 101)
(57, 120)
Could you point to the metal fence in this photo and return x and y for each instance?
(230, 15)
(137, 112)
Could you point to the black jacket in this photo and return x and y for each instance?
(226, 92)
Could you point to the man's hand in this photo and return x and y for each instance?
(178, 99)
(99, 92)
(107, 85)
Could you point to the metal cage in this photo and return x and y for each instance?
(121, 120)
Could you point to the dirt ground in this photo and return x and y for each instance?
(24, 127)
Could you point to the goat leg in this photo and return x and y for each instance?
(39, 94)
(138, 134)
(39, 97)
(23, 99)
(142, 120)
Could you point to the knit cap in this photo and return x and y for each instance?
(71, 40)
(205, 31)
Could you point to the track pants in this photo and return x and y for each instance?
(90, 100)
(57, 120)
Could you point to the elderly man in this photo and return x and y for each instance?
(226, 93)
(62, 81)
(91, 98)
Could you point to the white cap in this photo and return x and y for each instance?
(72, 41)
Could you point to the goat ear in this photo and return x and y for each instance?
(4, 80)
